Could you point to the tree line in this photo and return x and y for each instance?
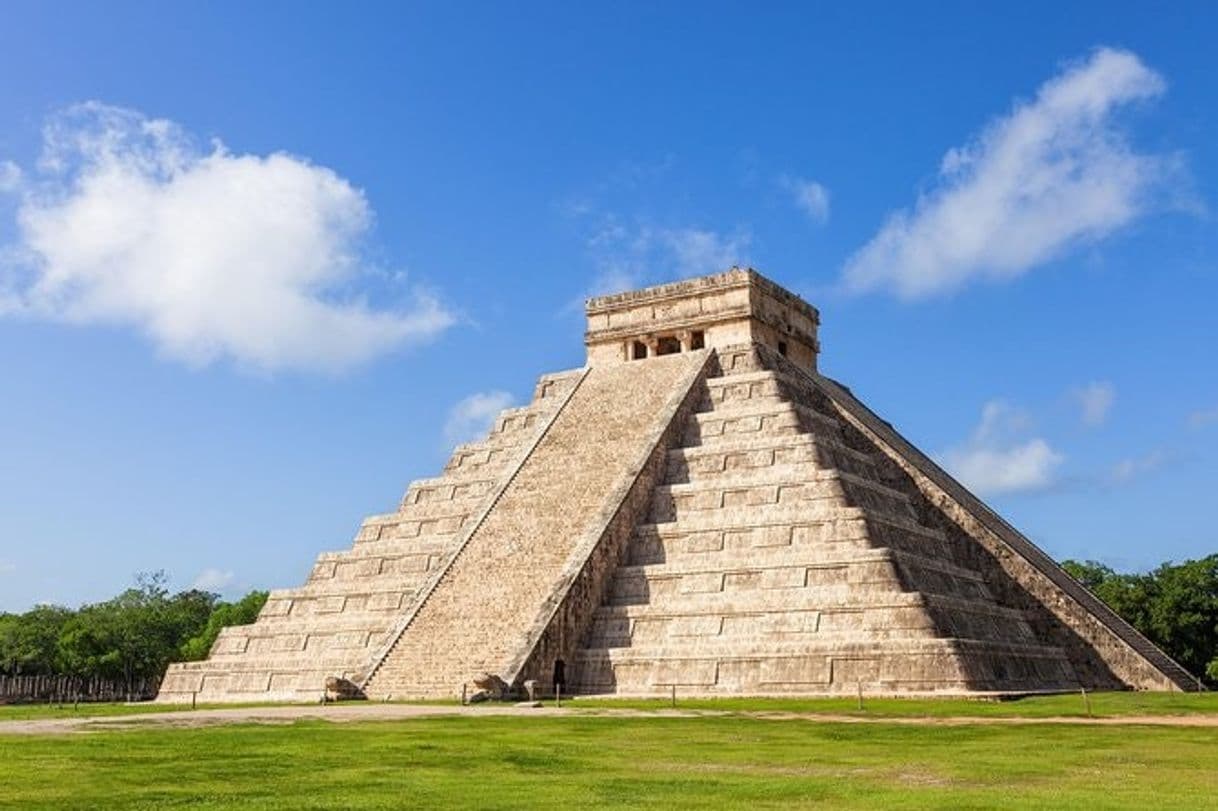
(1175, 606)
(129, 638)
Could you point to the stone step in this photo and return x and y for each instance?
(733, 548)
(774, 557)
(800, 586)
(365, 563)
(902, 665)
(653, 543)
(476, 458)
(300, 602)
(351, 632)
(754, 452)
(391, 579)
(332, 658)
(815, 501)
(646, 624)
(216, 682)
(780, 484)
(809, 519)
(461, 508)
(403, 526)
(767, 602)
(516, 418)
(792, 588)
(552, 387)
(470, 485)
(731, 422)
(431, 544)
(752, 387)
(371, 622)
(511, 434)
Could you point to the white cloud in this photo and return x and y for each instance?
(210, 254)
(10, 176)
(811, 197)
(696, 251)
(997, 459)
(1128, 469)
(472, 417)
(215, 580)
(1054, 173)
(1094, 402)
(1203, 417)
(628, 257)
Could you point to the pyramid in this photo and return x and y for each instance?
(697, 508)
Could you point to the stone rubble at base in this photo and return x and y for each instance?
(697, 508)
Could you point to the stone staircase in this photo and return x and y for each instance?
(487, 610)
(352, 600)
(773, 559)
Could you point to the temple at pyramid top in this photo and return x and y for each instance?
(727, 309)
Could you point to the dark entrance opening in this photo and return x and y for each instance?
(668, 345)
(638, 351)
(697, 339)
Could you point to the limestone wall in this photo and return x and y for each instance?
(738, 307)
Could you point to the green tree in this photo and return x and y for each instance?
(29, 641)
(1182, 611)
(242, 612)
(1175, 606)
(134, 635)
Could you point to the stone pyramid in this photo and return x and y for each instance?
(699, 508)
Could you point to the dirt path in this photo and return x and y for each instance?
(386, 712)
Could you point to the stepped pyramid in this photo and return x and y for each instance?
(696, 507)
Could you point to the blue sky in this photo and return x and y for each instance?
(262, 264)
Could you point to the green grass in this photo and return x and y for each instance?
(26, 712)
(1102, 705)
(588, 761)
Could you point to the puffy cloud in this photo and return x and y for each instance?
(215, 580)
(210, 254)
(810, 197)
(996, 459)
(472, 417)
(1128, 469)
(627, 258)
(1054, 173)
(10, 176)
(1203, 417)
(1094, 401)
(695, 251)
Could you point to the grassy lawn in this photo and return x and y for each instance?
(659, 762)
(1102, 705)
(24, 712)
